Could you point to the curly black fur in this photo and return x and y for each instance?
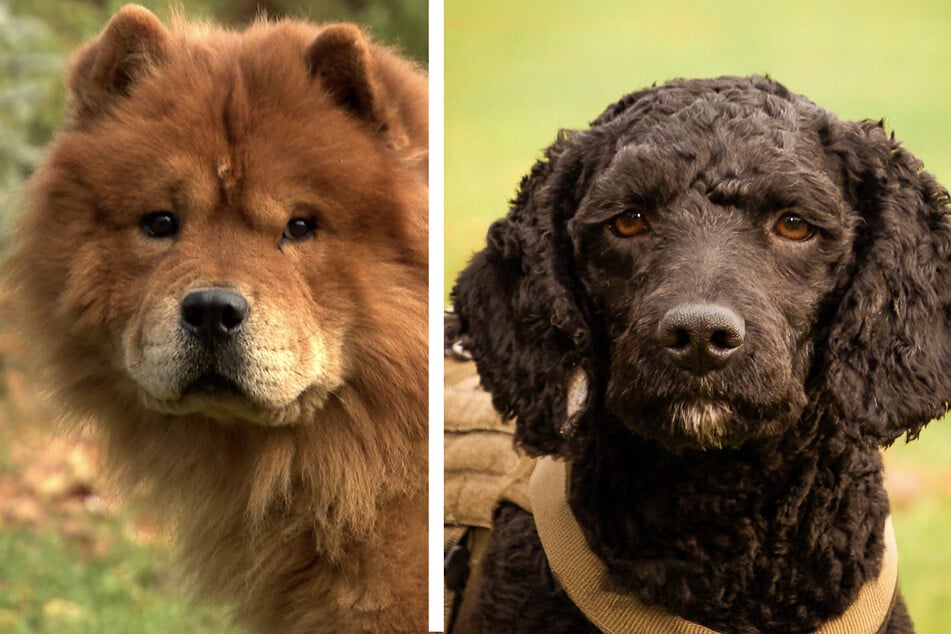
(748, 498)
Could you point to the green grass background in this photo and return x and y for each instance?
(51, 586)
(517, 72)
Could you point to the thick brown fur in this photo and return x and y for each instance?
(298, 494)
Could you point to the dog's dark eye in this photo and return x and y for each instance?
(159, 224)
(629, 224)
(298, 229)
(792, 227)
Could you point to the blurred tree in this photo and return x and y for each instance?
(29, 79)
(403, 23)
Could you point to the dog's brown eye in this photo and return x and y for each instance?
(299, 229)
(159, 224)
(629, 224)
(792, 227)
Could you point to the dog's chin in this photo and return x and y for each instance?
(225, 401)
(708, 425)
(700, 425)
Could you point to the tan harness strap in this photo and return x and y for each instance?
(585, 578)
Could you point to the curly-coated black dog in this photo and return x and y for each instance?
(716, 304)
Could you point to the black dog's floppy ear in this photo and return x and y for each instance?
(890, 341)
(522, 309)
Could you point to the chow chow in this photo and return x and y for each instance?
(223, 264)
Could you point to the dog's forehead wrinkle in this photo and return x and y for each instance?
(228, 171)
(234, 117)
(644, 167)
(636, 177)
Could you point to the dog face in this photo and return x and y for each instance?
(211, 228)
(250, 258)
(715, 258)
(708, 264)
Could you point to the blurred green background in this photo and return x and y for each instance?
(73, 557)
(517, 72)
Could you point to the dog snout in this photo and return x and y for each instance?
(214, 314)
(701, 338)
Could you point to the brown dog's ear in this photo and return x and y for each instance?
(340, 57)
(889, 368)
(105, 69)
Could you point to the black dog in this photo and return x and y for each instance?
(717, 303)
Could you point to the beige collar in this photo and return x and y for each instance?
(585, 578)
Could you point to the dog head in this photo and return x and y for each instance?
(707, 262)
(230, 224)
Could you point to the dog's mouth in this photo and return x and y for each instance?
(226, 401)
(703, 422)
(725, 409)
(212, 384)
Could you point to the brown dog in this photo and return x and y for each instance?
(224, 264)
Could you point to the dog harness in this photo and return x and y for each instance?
(585, 578)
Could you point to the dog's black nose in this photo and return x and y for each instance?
(214, 313)
(701, 337)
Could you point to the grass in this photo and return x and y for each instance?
(925, 559)
(518, 72)
(918, 476)
(52, 583)
(71, 562)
